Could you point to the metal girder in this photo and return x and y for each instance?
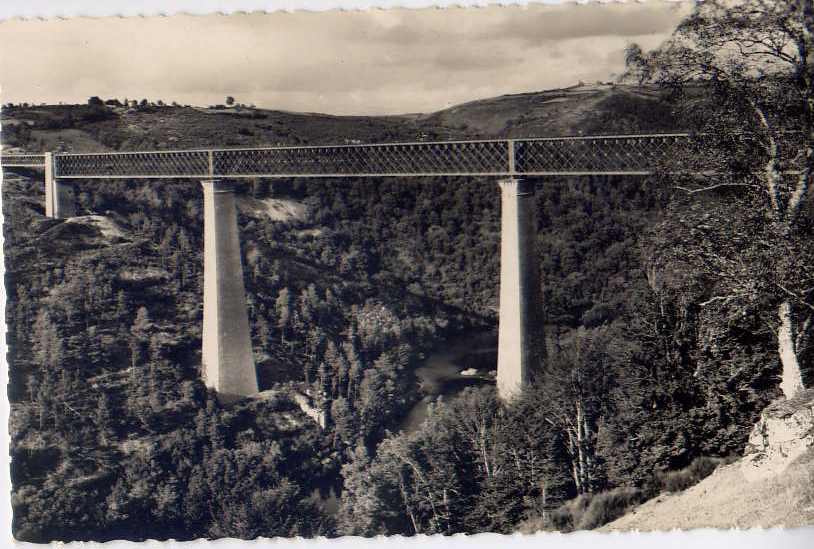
(592, 155)
(22, 160)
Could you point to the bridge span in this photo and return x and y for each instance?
(227, 360)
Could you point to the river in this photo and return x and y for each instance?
(439, 375)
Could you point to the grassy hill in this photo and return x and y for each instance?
(601, 109)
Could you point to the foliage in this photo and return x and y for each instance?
(471, 467)
(695, 472)
(744, 222)
(585, 512)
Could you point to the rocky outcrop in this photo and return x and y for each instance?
(784, 432)
(308, 407)
(143, 277)
(84, 232)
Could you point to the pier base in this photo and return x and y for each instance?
(227, 360)
(521, 346)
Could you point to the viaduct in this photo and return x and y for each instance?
(228, 364)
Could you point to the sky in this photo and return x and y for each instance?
(341, 62)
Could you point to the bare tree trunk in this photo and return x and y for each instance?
(588, 453)
(409, 508)
(580, 456)
(791, 381)
(574, 457)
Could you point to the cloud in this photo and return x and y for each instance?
(365, 62)
(586, 21)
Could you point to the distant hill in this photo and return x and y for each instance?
(580, 110)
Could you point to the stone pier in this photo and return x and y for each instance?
(521, 346)
(227, 360)
(59, 196)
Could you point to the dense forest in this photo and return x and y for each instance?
(667, 300)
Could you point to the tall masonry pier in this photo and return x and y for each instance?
(59, 196)
(520, 334)
(228, 363)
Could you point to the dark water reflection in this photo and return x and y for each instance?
(440, 373)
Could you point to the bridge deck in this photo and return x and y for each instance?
(589, 155)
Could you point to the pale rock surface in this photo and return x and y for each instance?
(785, 431)
(108, 227)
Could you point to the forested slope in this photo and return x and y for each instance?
(113, 431)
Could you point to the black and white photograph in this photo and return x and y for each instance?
(409, 272)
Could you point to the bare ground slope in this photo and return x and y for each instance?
(771, 486)
(727, 499)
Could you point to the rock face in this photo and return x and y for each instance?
(784, 432)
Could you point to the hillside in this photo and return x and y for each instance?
(601, 109)
(772, 485)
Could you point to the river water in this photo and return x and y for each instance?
(439, 375)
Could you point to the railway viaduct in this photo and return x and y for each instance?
(516, 164)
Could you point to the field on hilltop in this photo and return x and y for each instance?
(580, 110)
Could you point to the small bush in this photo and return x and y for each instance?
(695, 472)
(608, 506)
(586, 511)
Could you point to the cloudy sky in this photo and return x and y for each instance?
(363, 62)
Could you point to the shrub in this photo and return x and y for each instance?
(695, 472)
(586, 511)
(607, 506)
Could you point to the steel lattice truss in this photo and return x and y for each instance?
(623, 155)
(23, 160)
(636, 154)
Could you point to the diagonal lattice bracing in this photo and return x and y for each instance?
(453, 158)
(635, 154)
(160, 164)
(591, 155)
(22, 160)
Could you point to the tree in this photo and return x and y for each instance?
(345, 430)
(574, 386)
(103, 421)
(263, 332)
(46, 343)
(230, 100)
(141, 324)
(283, 308)
(139, 336)
(750, 238)
(95, 101)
